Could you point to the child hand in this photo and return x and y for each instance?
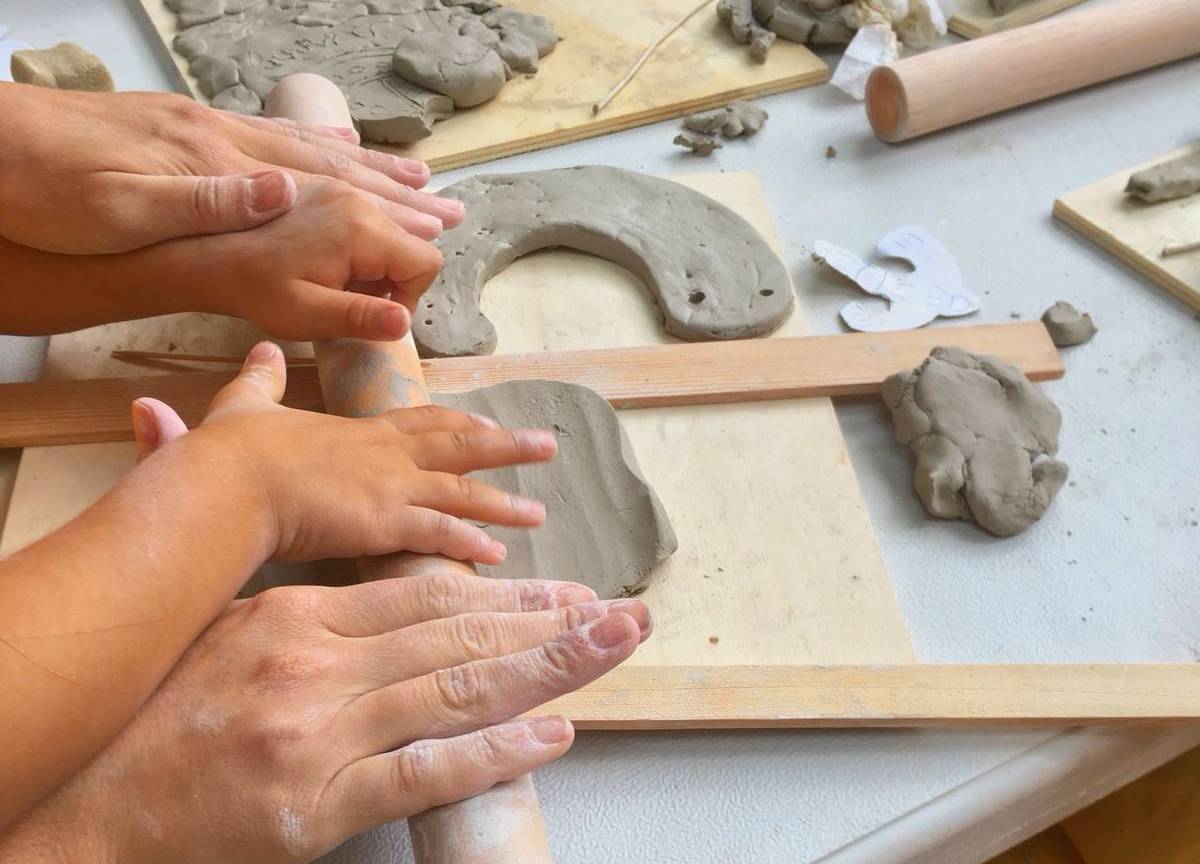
(334, 487)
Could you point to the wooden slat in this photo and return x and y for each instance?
(97, 410)
(718, 697)
(974, 18)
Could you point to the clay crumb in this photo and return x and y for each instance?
(66, 66)
(1067, 325)
(700, 145)
(830, 152)
(713, 640)
(1166, 181)
(735, 120)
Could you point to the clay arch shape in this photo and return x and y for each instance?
(711, 273)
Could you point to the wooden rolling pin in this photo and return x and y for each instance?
(503, 825)
(948, 86)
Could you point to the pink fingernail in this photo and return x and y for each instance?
(549, 730)
(500, 549)
(416, 166)
(569, 595)
(635, 609)
(538, 439)
(608, 632)
(270, 191)
(528, 508)
(393, 320)
(261, 353)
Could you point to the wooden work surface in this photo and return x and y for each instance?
(699, 67)
(777, 561)
(974, 18)
(1136, 232)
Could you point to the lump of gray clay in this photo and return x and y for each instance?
(713, 275)
(701, 145)
(757, 23)
(239, 49)
(1166, 181)
(1003, 7)
(66, 66)
(604, 526)
(467, 71)
(1067, 325)
(732, 121)
(984, 437)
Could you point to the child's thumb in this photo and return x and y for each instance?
(259, 384)
(154, 424)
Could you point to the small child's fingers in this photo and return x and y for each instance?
(434, 532)
(261, 382)
(463, 451)
(435, 418)
(315, 312)
(471, 499)
(154, 424)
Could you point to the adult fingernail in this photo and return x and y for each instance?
(608, 632)
(499, 549)
(261, 353)
(549, 730)
(392, 320)
(635, 609)
(483, 420)
(413, 166)
(270, 191)
(569, 595)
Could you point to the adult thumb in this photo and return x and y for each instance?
(155, 423)
(161, 208)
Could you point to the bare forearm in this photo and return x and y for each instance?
(43, 292)
(93, 616)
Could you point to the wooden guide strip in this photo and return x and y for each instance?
(726, 697)
(97, 410)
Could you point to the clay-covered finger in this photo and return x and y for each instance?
(464, 698)
(471, 499)
(430, 773)
(463, 451)
(436, 418)
(444, 642)
(379, 607)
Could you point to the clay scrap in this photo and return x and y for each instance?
(402, 64)
(66, 66)
(1003, 7)
(1166, 181)
(604, 527)
(701, 145)
(757, 23)
(984, 437)
(1067, 325)
(712, 275)
(733, 121)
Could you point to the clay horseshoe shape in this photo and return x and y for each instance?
(712, 273)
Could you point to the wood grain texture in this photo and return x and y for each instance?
(718, 697)
(97, 410)
(974, 18)
(699, 67)
(1102, 41)
(1136, 232)
(736, 479)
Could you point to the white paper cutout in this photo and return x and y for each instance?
(933, 288)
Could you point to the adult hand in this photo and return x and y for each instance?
(307, 715)
(110, 172)
(335, 487)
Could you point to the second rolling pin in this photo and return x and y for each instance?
(952, 85)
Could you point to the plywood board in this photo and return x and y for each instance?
(974, 18)
(699, 67)
(777, 559)
(93, 410)
(1136, 232)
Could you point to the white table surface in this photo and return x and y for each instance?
(1110, 574)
